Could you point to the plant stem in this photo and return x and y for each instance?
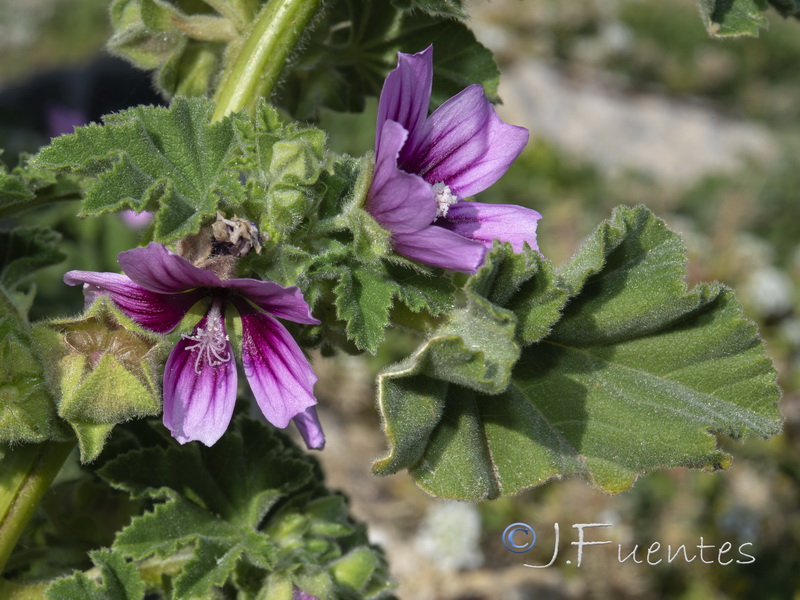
(10, 590)
(255, 68)
(26, 474)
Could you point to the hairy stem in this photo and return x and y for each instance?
(26, 473)
(255, 68)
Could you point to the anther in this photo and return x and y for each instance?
(211, 341)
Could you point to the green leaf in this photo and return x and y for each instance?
(245, 512)
(638, 374)
(363, 300)
(168, 160)
(25, 250)
(353, 48)
(186, 49)
(733, 18)
(442, 8)
(215, 499)
(13, 189)
(524, 283)
(120, 581)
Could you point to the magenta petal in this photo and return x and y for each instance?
(441, 248)
(198, 406)
(159, 270)
(307, 423)
(399, 201)
(279, 374)
(488, 222)
(283, 302)
(158, 312)
(466, 145)
(405, 97)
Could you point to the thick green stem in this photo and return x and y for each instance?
(254, 70)
(26, 473)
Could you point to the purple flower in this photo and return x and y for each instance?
(200, 379)
(426, 166)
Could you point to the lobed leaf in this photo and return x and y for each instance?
(253, 504)
(638, 374)
(733, 18)
(363, 300)
(168, 160)
(120, 581)
(355, 45)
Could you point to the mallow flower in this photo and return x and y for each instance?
(200, 379)
(426, 165)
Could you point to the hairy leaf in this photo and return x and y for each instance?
(168, 160)
(638, 374)
(363, 300)
(24, 250)
(443, 8)
(523, 283)
(733, 18)
(13, 189)
(354, 47)
(252, 503)
(120, 581)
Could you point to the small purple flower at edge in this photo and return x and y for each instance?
(200, 380)
(426, 165)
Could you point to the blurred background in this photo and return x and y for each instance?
(627, 101)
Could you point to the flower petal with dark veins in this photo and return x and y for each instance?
(488, 222)
(283, 302)
(401, 202)
(158, 312)
(441, 248)
(405, 97)
(277, 370)
(198, 396)
(466, 145)
(159, 270)
(307, 423)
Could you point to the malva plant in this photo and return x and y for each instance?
(265, 244)
(200, 374)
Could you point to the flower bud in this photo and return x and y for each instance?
(27, 410)
(299, 158)
(102, 369)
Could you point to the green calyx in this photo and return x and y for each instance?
(27, 408)
(102, 369)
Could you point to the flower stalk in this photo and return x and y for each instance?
(255, 68)
(26, 474)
